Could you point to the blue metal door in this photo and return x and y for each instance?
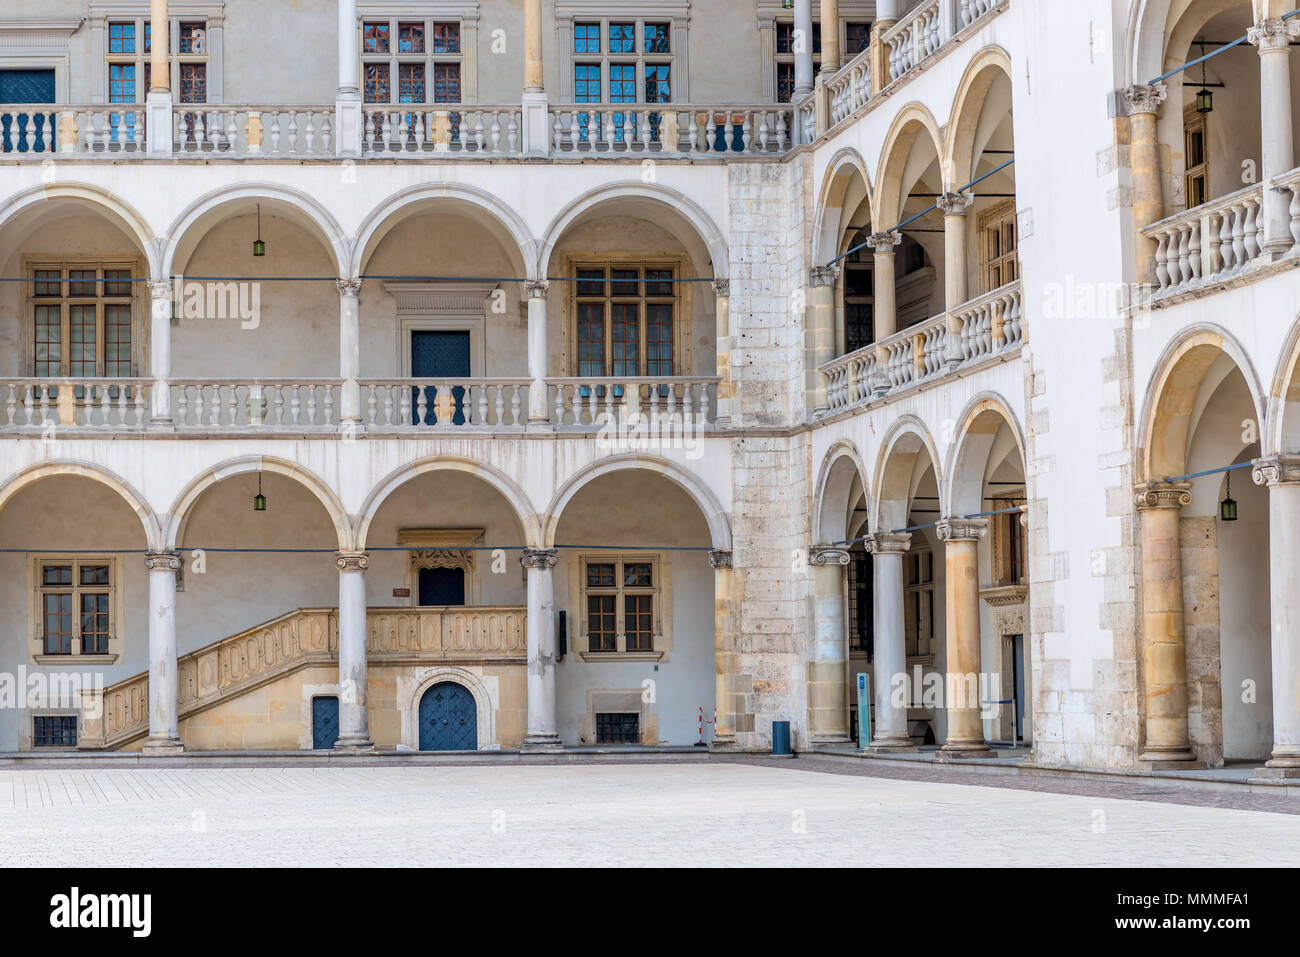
(439, 355)
(448, 719)
(26, 87)
(324, 722)
(442, 586)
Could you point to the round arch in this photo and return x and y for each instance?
(1283, 435)
(714, 514)
(908, 125)
(525, 513)
(845, 170)
(484, 704)
(180, 511)
(977, 428)
(654, 200)
(29, 207)
(906, 439)
(1171, 395)
(35, 473)
(968, 105)
(500, 220)
(241, 199)
(841, 465)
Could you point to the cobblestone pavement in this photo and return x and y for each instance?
(694, 813)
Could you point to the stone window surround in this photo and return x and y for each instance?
(663, 607)
(464, 12)
(428, 550)
(770, 11)
(36, 611)
(442, 307)
(39, 45)
(139, 328)
(178, 11)
(999, 214)
(677, 13)
(486, 690)
(647, 724)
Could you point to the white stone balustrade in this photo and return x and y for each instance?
(74, 403)
(988, 324)
(614, 128)
(913, 38)
(496, 404)
(1212, 241)
(850, 88)
(972, 10)
(214, 405)
(253, 130)
(39, 131)
(1291, 181)
(463, 131)
(589, 403)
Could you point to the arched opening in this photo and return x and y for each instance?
(912, 177)
(635, 589)
(448, 718)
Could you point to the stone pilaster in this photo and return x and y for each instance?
(728, 698)
(828, 659)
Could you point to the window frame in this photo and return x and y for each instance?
(1000, 216)
(659, 593)
(33, 264)
(1194, 122)
(37, 590)
(62, 716)
(394, 59)
(919, 605)
(140, 57)
(569, 21)
(681, 311)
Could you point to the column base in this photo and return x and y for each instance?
(163, 747)
(965, 751)
(1169, 759)
(831, 739)
(542, 743)
(891, 746)
(354, 744)
(723, 743)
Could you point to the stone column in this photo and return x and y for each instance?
(350, 354)
(348, 113)
(726, 660)
(164, 685)
(1273, 38)
(956, 284)
(538, 353)
(803, 51)
(542, 727)
(1148, 189)
(830, 36)
(537, 127)
(1164, 654)
(158, 98)
(354, 717)
(884, 296)
(828, 676)
(722, 308)
(160, 351)
(890, 732)
(823, 280)
(962, 668)
(1282, 476)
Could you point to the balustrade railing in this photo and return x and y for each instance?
(253, 130)
(1291, 181)
(587, 403)
(215, 404)
(614, 128)
(850, 88)
(916, 36)
(43, 130)
(445, 403)
(1212, 241)
(79, 403)
(462, 130)
(972, 10)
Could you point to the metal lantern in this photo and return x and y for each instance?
(1228, 507)
(788, 4)
(259, 247)
(1204, 99)
(259, 500)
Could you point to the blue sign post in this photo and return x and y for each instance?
(864, 711)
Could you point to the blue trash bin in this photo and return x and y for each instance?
(781, 737)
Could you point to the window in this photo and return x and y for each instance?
(81, 320)
(1198, 158)
(75, 602)
(860, 602)
(999, 261)
(635, 58)
(620, 596)
(54, 731)
(618, 728)
(855, 37)
(424, 50)
(128, 61)
(1007, 543)
(859, 296)
(919, 608)
(625, 322)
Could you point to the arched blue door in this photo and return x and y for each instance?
(448, 719)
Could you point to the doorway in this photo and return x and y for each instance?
(438, 354)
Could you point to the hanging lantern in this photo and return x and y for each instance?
(259, 247)
(1228, 507)
(788, 4)
(1204, 99)
(259, 500)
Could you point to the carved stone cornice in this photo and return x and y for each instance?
(1276, 470)
(1145, 97)
(954, 204)
(539, 558)
(820, 276)
(1270, 35)
(349, 287)
(822, 555)
(1162, 495)
(889, 543)
(353, 561)
(537, 289)
(162, 561)
(722, 287)
(962, 529)
(884, 244)
(1003, 595)
(720, 558)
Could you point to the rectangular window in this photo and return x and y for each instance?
(422, 66)
(657, 38)
(410, 83)
(446, 83)
(194, 83)
(658, 84)
(377, 87)
(861, 602)
(857, 37)
(622, 38)
(410, 38)
(640, 71)
(121, 38)
(1000, 261)
(618, 728)
(193, 37)
(374, 38)
(785, 56)
(86, 331)
(620, 598)
(54, 731)
(75, 601)
(586, 38)
(121, 83)
(1198, 159)
(129, 75)
(446, 38)
(640, 335)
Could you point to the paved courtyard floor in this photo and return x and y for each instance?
(692, 813)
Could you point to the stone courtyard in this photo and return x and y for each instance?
(685, 813)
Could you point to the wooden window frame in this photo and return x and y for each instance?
(427, 58)
(998, 216)
(639, 59)
(141, 57)
(919, 604)
(659, 592)
(1193, 121)
(680, 300)
(37, 590)
(33, 264)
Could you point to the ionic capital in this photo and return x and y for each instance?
(1270, 35)
(720, 558)
(160, 289)
(1277, 470)
(954, 204)
(162, 561)
(828, 555)
(539, 558)
(722, 287)
(962, 529)
(349, 287)
(353, 561)
(883, 244)
(537, 289)
(823, 276)
(1145, 97)
(889, 543)
(1162, 495)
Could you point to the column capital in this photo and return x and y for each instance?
(889, 543)
(722, 287)
(537, 289)
(1276, 470)
(160, 288)
(1162, 495)
(954, 204)
(353, 561)
(162, 561)
(1145, 97)
(539, 558)
(720, 558)
(820, 276)
(1273, 34)
(883, 243)
(349, 287)
(962, 529)
(822, 555)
